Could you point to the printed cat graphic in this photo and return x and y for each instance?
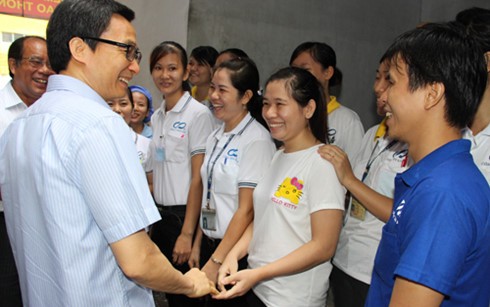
(290, 189)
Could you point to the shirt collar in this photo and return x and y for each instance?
(243, 123)
(434, 159)
(181, 104)
(14, 98)
(67, 83)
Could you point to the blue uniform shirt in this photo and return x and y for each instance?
(439, 231)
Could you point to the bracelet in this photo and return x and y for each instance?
(216, 261)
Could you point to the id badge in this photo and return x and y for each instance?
(357, 210)
(208, 219)
(160, 154)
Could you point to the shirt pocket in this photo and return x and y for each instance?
(176, 147)
(226, 178)
(387, 257)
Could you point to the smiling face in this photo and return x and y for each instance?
(168, 75)
(199, 73)
(31, 72)
(140, 110)
(380, 85)
(228, 106)
(123, 107)
(286, 119)
(108, 71)
(306, 61)
(404, 108)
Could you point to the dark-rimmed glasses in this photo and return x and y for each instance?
(37, 62)
(132, 52)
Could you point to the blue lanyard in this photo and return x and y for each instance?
(372, 159)
(212, 164)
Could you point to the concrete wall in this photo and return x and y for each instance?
(359, 31)
(268, 31)
(157, 21)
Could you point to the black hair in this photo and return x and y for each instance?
(16, 50)
(244, 76)
(303, 87)
(130, 97)
(79, 18)
(323, 54)
(205, 55)
(236, 53)
(444, 53)
(170, 47)
(477, 23)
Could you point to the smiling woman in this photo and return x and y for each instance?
(181, 126)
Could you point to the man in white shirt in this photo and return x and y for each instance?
(29, 69)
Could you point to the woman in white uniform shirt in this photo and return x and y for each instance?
(237, 154)
(180, 128)
(298, 204)
(344, 125)
(124, 106)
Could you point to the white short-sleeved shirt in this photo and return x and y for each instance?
(360, 236)
(295, 186)
(10, 107)
(345, 130)
(143, 148)
(177, 135)
(240, 165)
(480, 149)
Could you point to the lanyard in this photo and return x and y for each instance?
(212, 164)
(372, 159)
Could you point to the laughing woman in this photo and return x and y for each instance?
(237, 154)
(298, 204)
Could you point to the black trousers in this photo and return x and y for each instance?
(9, 280)
(208, 246)
(347, 291)
(165, 233)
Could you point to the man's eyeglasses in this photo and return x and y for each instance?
(132, 52)
(37, 62)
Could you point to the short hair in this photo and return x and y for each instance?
(79, 18)
(324, 55)
(444, 53)
(303, 87)
(170, 47)
(205, 55)
(16, 49)
(477, 23)
(244, 76)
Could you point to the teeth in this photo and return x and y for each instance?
(124, 80)
(41, 81)
(274, 125)
(389, 114)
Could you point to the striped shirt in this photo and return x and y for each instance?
(72, 184)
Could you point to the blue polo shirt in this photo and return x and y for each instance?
(439, 231)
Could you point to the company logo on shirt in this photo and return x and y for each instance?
(179, 127)
(290, 189)
(400, 154)
(231, 155)
(331, 135)
(397, 213)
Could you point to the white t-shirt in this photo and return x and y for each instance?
(345, 130)
(295, 186)
(177, 135)
(480, 149)
(360, 236)
(143, 148)
(240, 165)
